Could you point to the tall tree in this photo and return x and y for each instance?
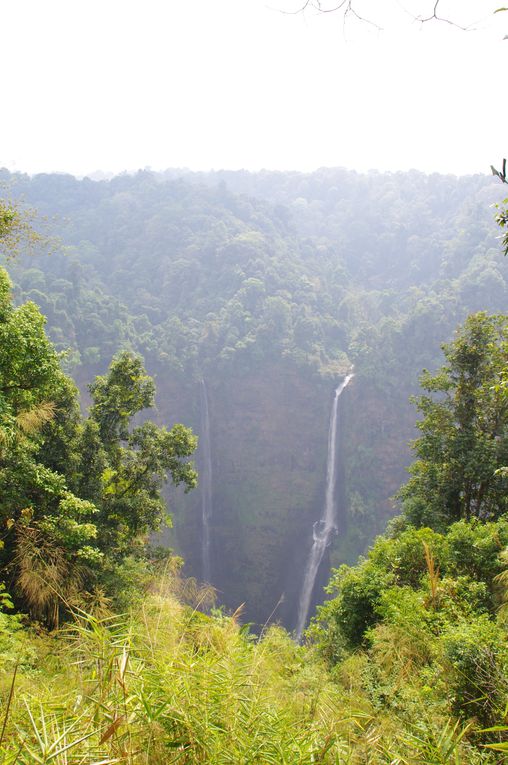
(74, 493)
(464, 441)
(136, 461)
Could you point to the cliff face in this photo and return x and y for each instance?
(268, 434)
(377, 428)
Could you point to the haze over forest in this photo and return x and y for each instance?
(253, 403)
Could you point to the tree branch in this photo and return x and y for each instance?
(345, 5)
(348, 9)
(434, 17)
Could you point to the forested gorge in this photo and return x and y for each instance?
(235, 303)
(269, 287)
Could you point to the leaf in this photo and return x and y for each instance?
(494, 728)
(123, 663)
(70, 745)
(112, 728)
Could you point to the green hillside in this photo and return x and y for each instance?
(269, 286)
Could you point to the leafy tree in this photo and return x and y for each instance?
(39, 415)
(452, 572)
(131, 465)
(502, 221)
(17, 234)
(464, 440)
(118, 396)
(74, 493)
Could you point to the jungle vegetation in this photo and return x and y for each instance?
(407, 662)
(108, 653)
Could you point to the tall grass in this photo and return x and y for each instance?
(172, 685)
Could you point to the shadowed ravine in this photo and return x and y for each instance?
(205, 480)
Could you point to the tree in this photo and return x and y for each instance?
(39, 416)
(135, 461)
(502, 221)
(502, 214)
(74, 493)
(464, 441)
(118, 396)
(17, 232)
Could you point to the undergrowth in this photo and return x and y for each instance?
(169, 684)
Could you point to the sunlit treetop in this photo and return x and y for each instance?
(17, 232)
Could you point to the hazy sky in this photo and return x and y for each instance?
(123, 84)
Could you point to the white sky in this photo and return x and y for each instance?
(123, 84)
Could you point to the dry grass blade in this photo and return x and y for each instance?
(238, 612)
(124, 659)
(433, 572)
(9, 702)
(112, 729)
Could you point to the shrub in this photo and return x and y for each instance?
(476, 659)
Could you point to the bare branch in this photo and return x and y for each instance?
(501, 174)
(316, 4)
(348, 9)
(347, 6)
(363, 18)
(435, 17)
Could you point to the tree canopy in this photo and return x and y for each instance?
(76, 494)
(464, 443)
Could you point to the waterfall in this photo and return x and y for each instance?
(323, 529)
(205, 480)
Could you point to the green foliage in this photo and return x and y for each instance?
(354, 611)
(74, 494)
(465, 563)
(423, 606)
(502, 219)
(172, 685)
(38, 414)
(221, 283)
(475, 548)
(117, 397)
(17, 233)
(477, 658)
(134, 463)
(464, 429)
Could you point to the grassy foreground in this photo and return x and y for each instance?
(168, 684)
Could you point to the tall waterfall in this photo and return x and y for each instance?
(205, 480)
(324, 528)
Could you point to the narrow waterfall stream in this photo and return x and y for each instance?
(323, 529)
(205, 480)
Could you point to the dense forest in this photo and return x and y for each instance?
(268, 287)
(236, 303)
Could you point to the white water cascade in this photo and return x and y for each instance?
(323, 529)
(205, 480)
